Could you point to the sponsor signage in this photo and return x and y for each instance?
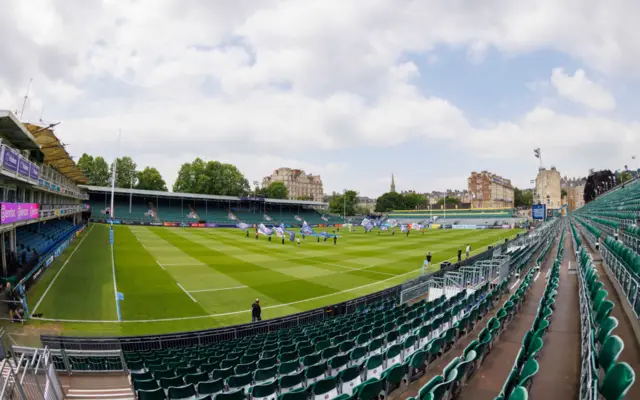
(210, 225)
(49, 261)
(155, 223)
(538, 211)
(24, 167)
(464, 227)
(173, 224)
(506, 226)
(482, 226)
(196, 225)
(34, 172)
(14, 212)
(10, 159)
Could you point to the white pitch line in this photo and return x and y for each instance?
(159, 264)
(514, 285)
(187, 293)
(244, 311)
(536, 277)
(217, 290)
(184, 265)
(60, 270)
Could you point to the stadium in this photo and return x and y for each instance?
(319, 200)
(146, 294)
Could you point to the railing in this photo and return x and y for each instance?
(629, 284)
(59, 210)
(29, 375)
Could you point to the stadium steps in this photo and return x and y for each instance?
(559, 362)
(98, 386)
(489, 379)
(631, 351)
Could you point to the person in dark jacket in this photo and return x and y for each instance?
(428, 257)
(256, 312)
(459, 254)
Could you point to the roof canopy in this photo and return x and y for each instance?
(14, 131)
(140, 192)
(55, 153)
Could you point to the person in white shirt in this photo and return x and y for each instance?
(468, 250)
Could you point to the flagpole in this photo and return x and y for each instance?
(113, 177)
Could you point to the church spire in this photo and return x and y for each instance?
(393, 184)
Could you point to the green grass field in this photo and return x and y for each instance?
(177, 279)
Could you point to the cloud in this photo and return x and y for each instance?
(580, 89)
(287, 83)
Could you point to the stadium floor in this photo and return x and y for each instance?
(177, 279)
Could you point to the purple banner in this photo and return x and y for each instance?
(210, 225)
(10, 159)
(24, 167)
(34, 173)
(14, 212)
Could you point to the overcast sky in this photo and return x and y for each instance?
(351, 90)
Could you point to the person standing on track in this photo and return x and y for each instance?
(256, 311)
(459, 253)
(468, 250)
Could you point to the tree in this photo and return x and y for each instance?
(413, 201)
(95, 169)
(522, 198)
(390, 201)
(126, 174)
(212, 177)
(150, 179)
(563, 192)
(450, 200)
(340, 205)
(277, 190)
(100, 175)
(623, 177)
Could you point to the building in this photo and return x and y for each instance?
(548, 188)
(488, 190)
(366, 203)
(575, 197)
(299, 184)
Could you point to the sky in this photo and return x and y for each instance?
(350, 90)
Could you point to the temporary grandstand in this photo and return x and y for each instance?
(453, 216)
(155, 207)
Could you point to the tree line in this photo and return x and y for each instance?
(198, 177)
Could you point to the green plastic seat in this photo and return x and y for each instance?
(156, 394)
(315, 373)
(349, 379)
(290, 383)
(299, 394)
(288, 368)
(222, 373)
(141, 376)
(326, 388)
(233, 395)
(148, 384)
(369, 390)
(603, 311)
(267, 391)
(606, 327)
(609, 352)
(519, 393)
(617, 382)
(210, 387)
(239, 381)
(529, 370)
(264, 363)
(392, 378)
(182, 392)
(261, 376)
(357, 355)
(373, 367)
(440, 390)
(166, 383)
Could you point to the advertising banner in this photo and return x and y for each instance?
(538, 211)
(482, 226)
(156, 224)
(24, 167)
(10, 159)
(196, 225)
(169, 224)
(14, 212)
(435, 226)
(210, 225)
(34, 172)
(464, 227)
(506, 226)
